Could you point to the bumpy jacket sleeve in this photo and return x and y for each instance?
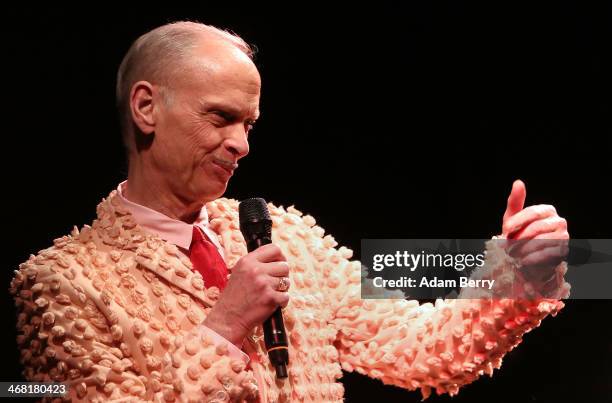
(77, 331)
(440, 346)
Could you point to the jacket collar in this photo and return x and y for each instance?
(115, 226)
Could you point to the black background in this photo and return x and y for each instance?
(381, 121)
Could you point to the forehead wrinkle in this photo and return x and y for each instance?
(251, 110)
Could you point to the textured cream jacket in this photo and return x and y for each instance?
(115, 311)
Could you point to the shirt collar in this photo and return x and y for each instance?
(169, 229)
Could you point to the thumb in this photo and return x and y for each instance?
(516, 200)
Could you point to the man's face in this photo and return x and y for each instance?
(203, 121)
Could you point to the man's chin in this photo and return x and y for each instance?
(213, 194)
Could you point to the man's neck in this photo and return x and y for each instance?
(149, 192)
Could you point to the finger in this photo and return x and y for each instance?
(276, 269)
(547, 257)
(268, 253)
(560, 239)
(282, 299)
(277, 298)
(516, 200)
(559, 234)
(526, 217)
(525, 247)
(515, 247)
(275, 283)
(538, 227)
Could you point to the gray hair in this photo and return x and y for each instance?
(159, 53)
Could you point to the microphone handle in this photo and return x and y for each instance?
(275, 337)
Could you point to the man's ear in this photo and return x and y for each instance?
(141, 106)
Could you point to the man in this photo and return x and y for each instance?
(138, 307)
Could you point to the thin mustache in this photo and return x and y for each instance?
(226, 163)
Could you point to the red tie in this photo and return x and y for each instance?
(206, 259)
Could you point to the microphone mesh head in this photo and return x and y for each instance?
(255, 209)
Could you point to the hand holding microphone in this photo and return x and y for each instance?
(257, 288)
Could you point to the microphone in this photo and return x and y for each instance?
(256, 227)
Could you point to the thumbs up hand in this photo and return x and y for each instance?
(539, 222)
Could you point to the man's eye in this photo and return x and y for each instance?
(225, 116)
(250, 124)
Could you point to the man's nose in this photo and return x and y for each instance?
(237, 142)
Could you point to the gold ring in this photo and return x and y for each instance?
(283, 284)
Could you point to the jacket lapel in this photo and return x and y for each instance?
(116, 227)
